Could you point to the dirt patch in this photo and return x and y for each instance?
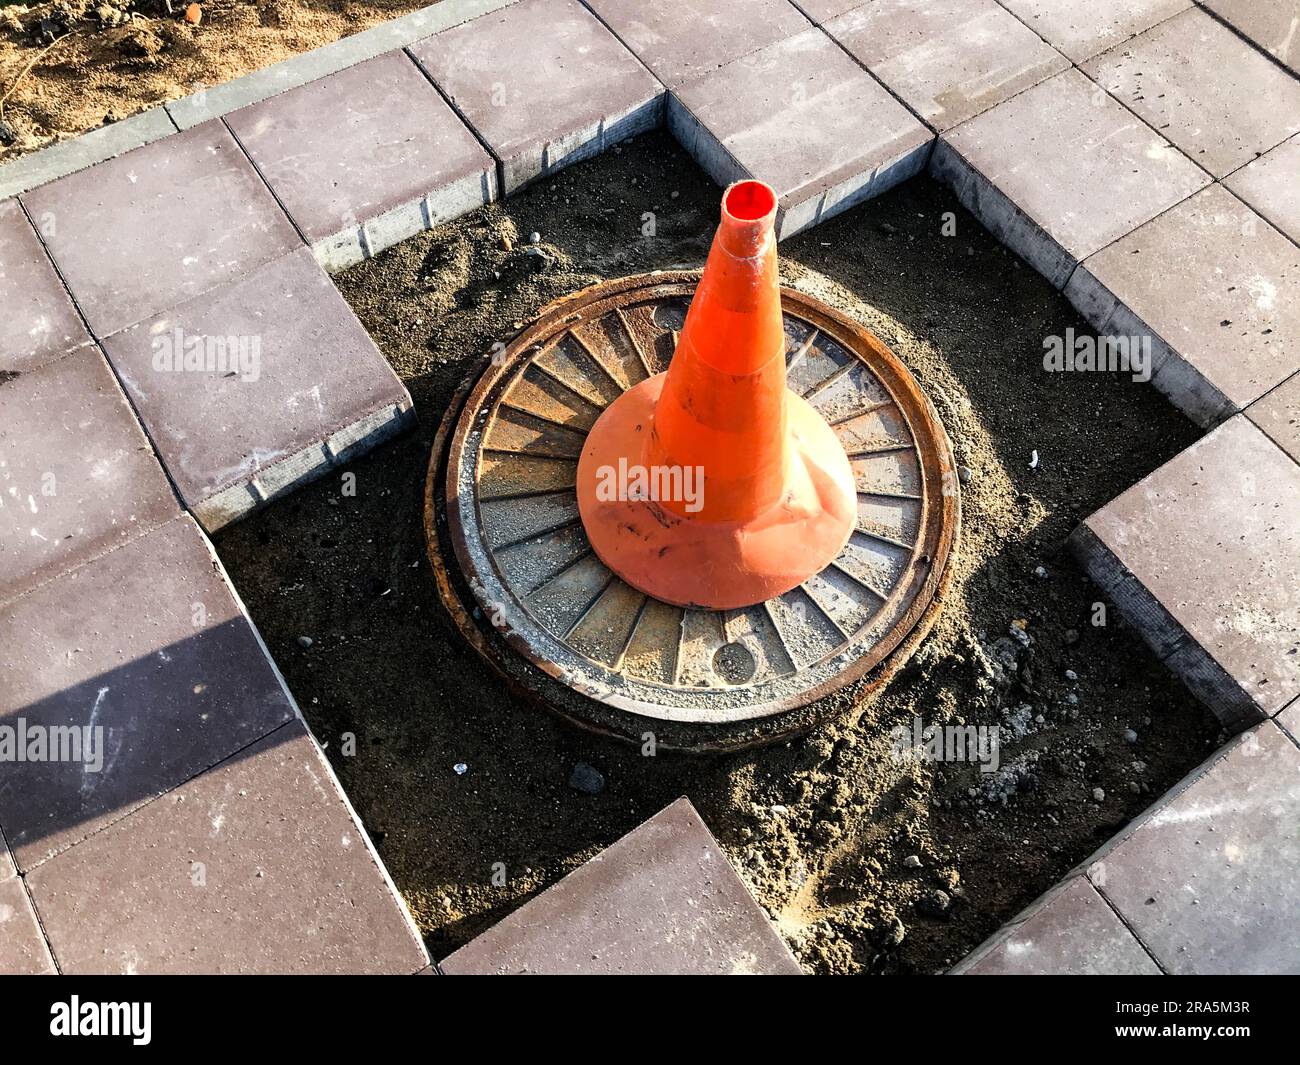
(867, 863)
(115, 58)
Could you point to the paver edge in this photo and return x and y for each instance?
(1083, 868)
(371, 850)
(95, 146)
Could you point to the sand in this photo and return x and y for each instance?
(846, 846)
(137, 55)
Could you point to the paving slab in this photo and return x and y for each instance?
(822, 11)
(1062, 170)
(252, 389)
(1206, 878)
(1203, 557)
(596, 92)
(948, 60)
(1216, 288)
(1274, 25)
(1278, 414)
(39, 321)
(1211, 93)
(691, 37)
(23, 951)
(1271, 185)
(159, 225)
(77, 153)
(145, 661)
(357, 172)
(256, 866)
(1289, 719)
(1070, 931)
(213, 101)
(1083, 30)
(77, 476)
(662, 900)
(804, 117)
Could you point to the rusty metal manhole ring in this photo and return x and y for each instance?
(520, 580)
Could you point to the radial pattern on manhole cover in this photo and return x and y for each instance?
(501, 491)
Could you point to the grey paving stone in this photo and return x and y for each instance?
(947, 60)
(39, 322)
(1206, 878)
(142, 232)
(1216, 287)
(691, 37)
(341, 155)
(1274, 25)
(147, 644)
(77, 476)
(217, 100)
(1289, 719)
(595, 91)
(1061, 171)
(804, 117)
(1203, 87)
(1203, 556)
(78, 153)
(7, 870)
(1271, 185)
(822, 11)
(663, 899)
(275, 376)
(1083, 30)
(256, 866)
(1070, 931)
(1278, 414)
(23, 951)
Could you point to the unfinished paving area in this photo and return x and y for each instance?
(1159, 134)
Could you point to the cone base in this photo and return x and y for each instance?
(716, 565)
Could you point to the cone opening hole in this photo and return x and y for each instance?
(749, 201)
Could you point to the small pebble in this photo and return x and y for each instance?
(935, 903)
(779, 811)
(1071, 675)
(965, 475)
(1041, 572)
(587, 779)
(912, 861)
(1098, 794)
(1130, 736)
(1071, 636)
(895, 931)
(305, 641)
(534, 238)
(461, 769)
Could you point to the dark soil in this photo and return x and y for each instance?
(822, 828)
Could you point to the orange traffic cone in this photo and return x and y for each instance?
(713, 485)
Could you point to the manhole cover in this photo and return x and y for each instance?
(520, 579)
